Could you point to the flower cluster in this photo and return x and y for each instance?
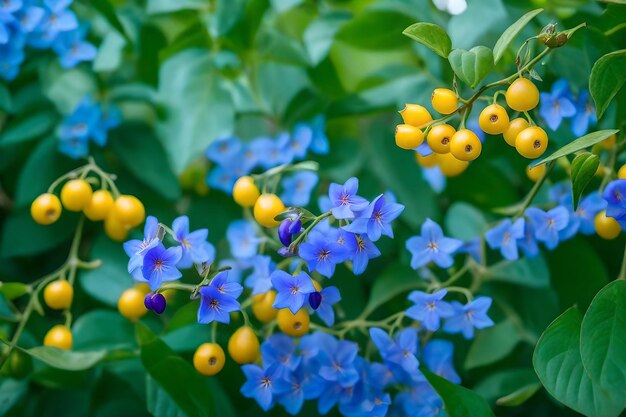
(89, 121)
(234, 159)
(561, 104)
(323, 368)
(41, 24)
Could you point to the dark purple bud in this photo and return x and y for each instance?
(158, 303)
(315, 299)
(147, 301)
(296, 226)
(283, 232)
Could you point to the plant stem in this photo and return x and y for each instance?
(300, 238)
(622, 271)
(533, 192)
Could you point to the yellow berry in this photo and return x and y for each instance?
(450, 166)
(515, 126)
(243, 346)
(209, 359)
(534, 173)
(130, 304)
(58, 294)
(46, 209)
(408, 137)
(465, 145)
(621, 174)
(428, 161)
(531, 142)
(129, 210)
(609, 142)
(58, 336)
(245, 191)
(76, 194)
(415, 115)
(439, 138)
(522, 95)
(293, 324)
(115, 229)
(99, 205)
(262, 306)
(444, 100)
(493, 119)
(606, 227)
(267, 207)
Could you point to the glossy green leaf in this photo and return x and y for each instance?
(13, 290)
(102, 329)
(464, 221)
(319, 35)
(501, 383)
(459, 401)
(357, 31)
(28, 128)
(395, 280)
(66, 359)
(107, 10)
(472, 66)
(493, 344)
(579, 144)
(519, 396)
(529, 272)
(558, 363)
(510, 33)
(607, 79)
(432, 36)
(584, 168)
(11, 392)
(159, 403)
(603, 338)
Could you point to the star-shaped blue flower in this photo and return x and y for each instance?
(433, 246)
(136, 249)
(468, 317)
(375, 220)
(429, 309)
(194, 244)
(505, 236)
(159, 265)
(557, 104)
(344, 200)
(297, 188)
(292, 290)
(322, 253)
(547, 225)
(219, 299)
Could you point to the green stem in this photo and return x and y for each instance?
(533, 192)
(622, 271)
(303, 235)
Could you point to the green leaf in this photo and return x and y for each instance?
(102, 329)
(532, 273)
(395, 280)
(501, 383)
(579, 144)
(108, 11)
(319, 35)
(464, 221)
(66, 359)
(603, 338)
(6, 102)
(66, 88)
(107, 282)
(430, 35)
(584, 168)
(520, 396)
(13, 290)
(159, 403)
(167, 6)
(471, 66)
(558, 363)
(28, 128)
(224, 16)
(110, 52)
(493, 344)
(510, 33)
(607, 78)
(458, 401)
(175, 376)
(198, 106)
(11, 392)
(389, 25)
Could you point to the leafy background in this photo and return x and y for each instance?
(185, 72)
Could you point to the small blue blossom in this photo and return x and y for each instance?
(300, 140)
(72, 48)
(344, 200)
(224, 150)
(438, 356)
(243, 239)
(433, 246)
(280, 349)
(399, 352)
(297, 386)
(429, 309)
(615, 196)
(260, 279)
(585, 114)
(375, 220)
(557, 104)
(528, 244)
(297, 188)
(435, 178)
(337, 365)
(136, 249)
(329, 296)
(360, 249)
(468, 317)
(547, 225)
(505, 236)
(292, 290)
(319, 141)
(159, 265)
(219, 299)
(587, 210)
(194, 244)
(261, 384)
(473, 248)
(421, 401)
(322, 254)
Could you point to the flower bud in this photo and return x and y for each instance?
(315, 299)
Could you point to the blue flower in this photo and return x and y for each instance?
(329, 296)
(361, 250)
(429, 309)
(398, 352)
(29, 17)
(243, 239)
(297, 386)
(547, 225)
(433, 246)
(300, 140)
(292, 290)
(273, 152)
(195, 247)
(297, 188)
(322, 254)
(260, 384)
(615, 196)
(136, 249)
(319, 141)
(528, 243)
(344, 200)
(58, 18)
(587, 210)
(73, 49)
(224, 150)
(438, 356)
(159, 265)
(557, 105)
(219, 299)
(435, 178)
(468, 317)
(585, 114)
(421, 401)
(280, 349)
(505, 236)
(260, 278)
(337, 365)
(82, 121)
(11, 57)
(473, 248)
(222, 178)
(375, 220)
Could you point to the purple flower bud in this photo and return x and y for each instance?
(147, 301)
(315, 299)
(296, 226)
(286, 253)
(283, 232)
(158, 303)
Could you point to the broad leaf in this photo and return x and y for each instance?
(432, 36)
(528, 272)
(108, 11)
(493, 344)
(66, 359)
(319, 35)
(159, 403)
(28, 128)
(459, 401)
(464, 221)
(471, 66)
(102, 329)
(579, 144)
(11, 392)
(607, 78)
(558, 364)
(357, 31)
(584, 168)
(510, 33)
(13, 290)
